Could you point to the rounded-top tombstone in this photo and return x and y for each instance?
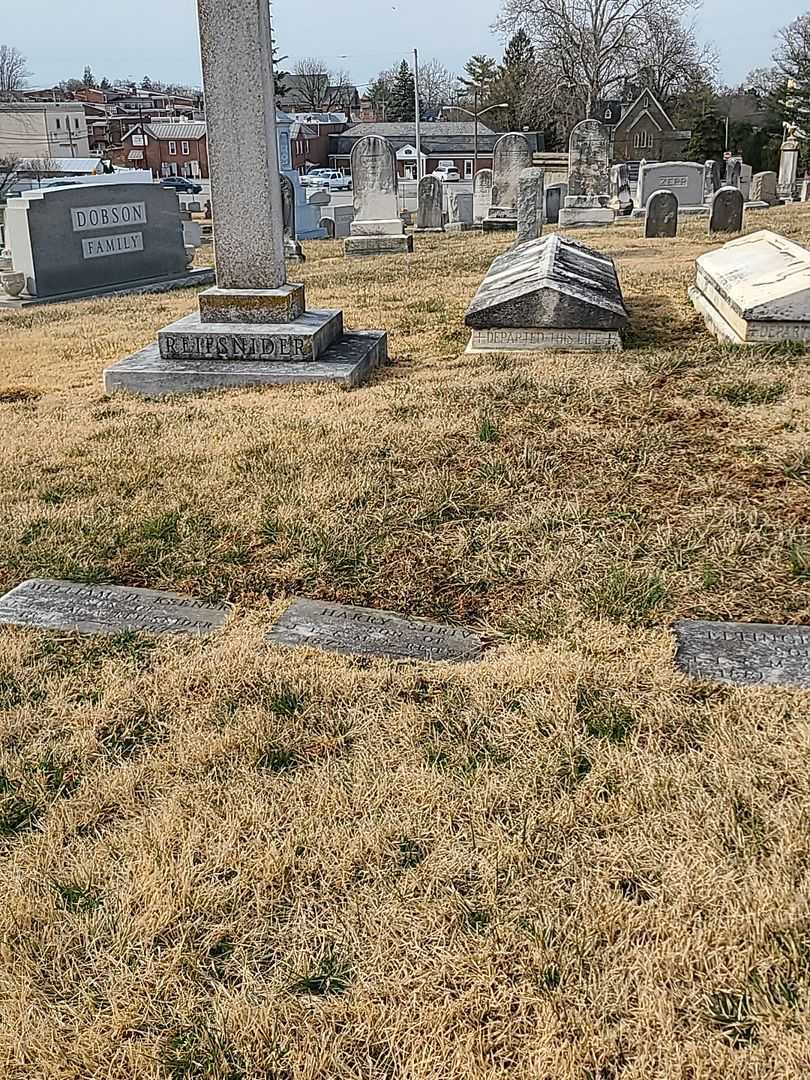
(727, 211)
(511, 156)
(589, 159)
(482, 194)
(430, 211)
(374, 179)
(662, 214)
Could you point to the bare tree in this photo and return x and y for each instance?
(587, 49)
(793, 48)
(14, 71)
(8, 173)
(437, 86)
(672, 61)
(318, 89)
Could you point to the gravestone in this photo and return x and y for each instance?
(482, 195)
(621, 199)
(377, 228)
(430, 211)
(511, 156)
(550, 293)
(554, 201)
(763, 188)
(733, 172)
(531, 205)
(106, 609)
(726, 211)
(328, 226)
(586, 204)
(744, 654)
(293, 251)
(253, 328)
(713, 178)
(662, 215)
(746, 176)
(788, 169)
(460, 211)
(684, 179)
(97, 239)
(755, 290)
(354, 631)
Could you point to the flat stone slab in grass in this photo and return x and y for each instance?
(744, 654)
(347, 362)
(355, 631)
(106, 609)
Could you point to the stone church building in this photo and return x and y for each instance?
(646, 133)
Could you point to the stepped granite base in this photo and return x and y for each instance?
(194, 278)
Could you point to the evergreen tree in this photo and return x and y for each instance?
(89, 79)
(279, 77)
(146, 84)
(516, 83)
(708, 138)
(402, 104)
(480, 73)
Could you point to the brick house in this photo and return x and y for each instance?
(645, 132)
(441, 141)
(173, 148)
(309, 137)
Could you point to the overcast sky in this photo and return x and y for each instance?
(159, 37)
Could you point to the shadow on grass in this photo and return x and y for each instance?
(657, 321)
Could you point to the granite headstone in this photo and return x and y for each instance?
(482, 194)
(531, 205)
(744, 654)
(726, 214)
(662, 214)
(586, 203)
(511, 156)
(377, 228)
(763, 188)
(430, 213)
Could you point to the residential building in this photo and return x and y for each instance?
(170, 148)
(309, 137)
(41, 130)
(313, 93)
(645, 132)
(441, 141)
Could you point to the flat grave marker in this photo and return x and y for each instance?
(69, 606)
(354, 631)
(744, 654)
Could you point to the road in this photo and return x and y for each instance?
(345, 198)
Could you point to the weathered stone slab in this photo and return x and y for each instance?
(374, 182)
(662, 215)
(589, 159)
(354, 631)
(531, 205)
(430, 211)
(378, 245)
(685, 179)
(621, 198)
(726, 211)
(106, 609)
(253, 305)
(302, 340)
(549, 284)
(755, 290)
(532, 340)
(346, 363)
(744, 654)
(512, 154)
(482, 194)
(555, 194)
(763, 188)
(460, 208)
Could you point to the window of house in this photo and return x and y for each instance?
(172, 149)
(77, 123)
(58, 122)
(468, 170)
(184, 148)
(642, 140)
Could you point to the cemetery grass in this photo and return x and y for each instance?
(222, 860)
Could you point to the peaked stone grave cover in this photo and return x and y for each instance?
(755, 289)
(551, 293)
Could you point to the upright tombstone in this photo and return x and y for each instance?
(555, 194)
(482, 195)
(586, 203)
(293, 251)
(459, 211)
(788, 168)
(430, 211)
(763, 188)
(531, 205)
(713, 178)
(377, 228)
(726, 213)
(621, 198)
(733, 172)
(755, 290)
(746, 176)
(511, 156)
(253, 327)
(550, 293)
(97, 239)
(685, 179)
(661, 219)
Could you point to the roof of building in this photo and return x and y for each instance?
(434, 129)
(182, 130)
(438, 140)
(319, 117)
(302, 131)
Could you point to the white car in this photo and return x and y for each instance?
(448, 174)
(312, 178)
(333, 181)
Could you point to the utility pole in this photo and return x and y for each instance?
(475, 135)
(418, 117)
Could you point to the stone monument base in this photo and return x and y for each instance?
(347, 363)
(499, 224)
(726, 325)
(305, 338)
(536, 340)
(203, 276)
(383, 227)
(378, 245)
(586, 217)
(462, 226)
(417, 231)
(253, 305)
(683, 211)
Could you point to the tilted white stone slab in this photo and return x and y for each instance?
(755, 289)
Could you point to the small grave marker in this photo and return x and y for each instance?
(744, 654)
(355, 631)
(106, 609)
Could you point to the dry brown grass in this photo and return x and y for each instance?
(223, 861)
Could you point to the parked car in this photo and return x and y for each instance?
(334, 181)
(448, 174)
(311, 178)
(181, 185)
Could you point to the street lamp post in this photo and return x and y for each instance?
(475, 115)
